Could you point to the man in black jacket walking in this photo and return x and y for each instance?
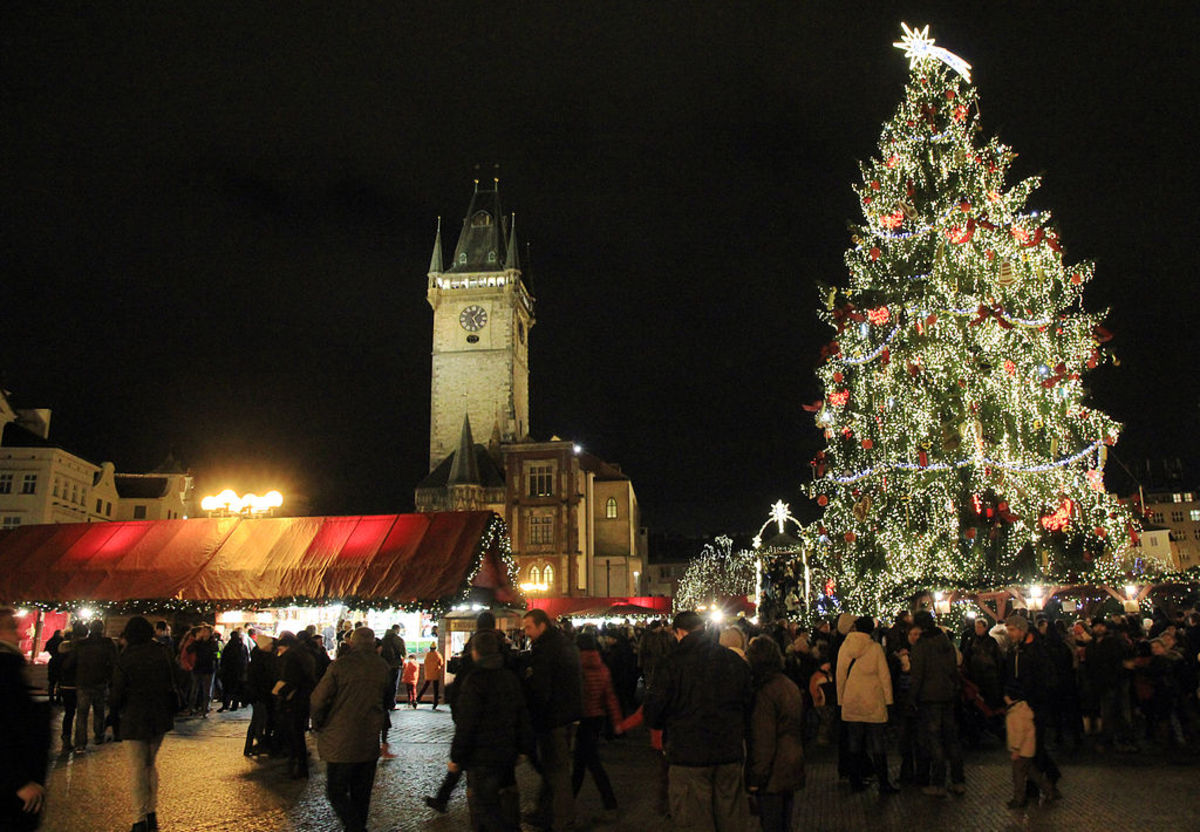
(701, 697)
(24, 737)
(95, 659)
(934, 688)
(553, 683)
(1030, 679)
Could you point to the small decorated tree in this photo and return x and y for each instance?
(718, 573)
(961, 449)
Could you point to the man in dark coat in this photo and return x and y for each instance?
(1030, 679)
(553, 682)
(1105, 663)
(393, 652)
(95, 658)
(491, 729)
(203, 652)
(24, 736)
(297, 678)
(934, 688)
(348, 715)
(260, 679)
(701, 697)
(144, 696)
(235, 658)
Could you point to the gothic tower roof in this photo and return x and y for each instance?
(465, 468)
(435, 259)
(483, 242)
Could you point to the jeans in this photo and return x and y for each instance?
(775, 811)
(866, 746)
(492, 799)
(708, 797)
(258, 735)
(394, 685)
(1041, 757)
(294, 724)
(436, 684)
(447, 788)
(348, 787)
(914, 759)
(1114, 727)
(202, 690)
(93, 699)
(940, 732)
(556, 801)
(142, 755)
(587, 758)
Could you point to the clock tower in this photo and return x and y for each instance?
(482, 314)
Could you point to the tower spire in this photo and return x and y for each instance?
(512, 261)
(465, 468)
(435, 260)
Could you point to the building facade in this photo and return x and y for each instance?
(41, 482)
(574, 519)
(1179, 512)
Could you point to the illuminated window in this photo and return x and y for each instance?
(6, 483)
(1178, 498)
(610, 508)
(541, 480)
(541, 530)
(29, 486)
(1195, 513)
(11, 522)
(462, 258)
(548, 576)
(139, 512)
(535, 575)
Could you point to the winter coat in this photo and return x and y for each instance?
(553, 681)
(434, 663)
(234, 660)
(491, 723)
(701, 696)
(144, 691)
(24, 735)
(412, 672)
(934, 674)
(203, 653)
(462, 665)
(349, 707)
(394, 650)
(864, 683)
(262, 674)
(776, 749)
(655, 646)
(599, 696)
(1103, 661)
(298, 672)
(95, 659)
(66, 678)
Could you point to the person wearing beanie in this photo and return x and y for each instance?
(349, 707)
(845, 624)
(143, 693)
(297, 678)
(1104, 664)
(734, 639)
(1027, 688)
(260, 678)
(934, 687)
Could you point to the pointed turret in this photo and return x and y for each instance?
(465, 469)
(435, 260)
(512, 262)
(483, 243)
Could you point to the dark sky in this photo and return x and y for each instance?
(217, 222)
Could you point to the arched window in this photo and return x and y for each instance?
(535, 575)
(548, 576)
(610, 508)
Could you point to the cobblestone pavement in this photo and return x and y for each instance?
(206, 784)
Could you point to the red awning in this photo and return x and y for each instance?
(558, 607)
(403, 559)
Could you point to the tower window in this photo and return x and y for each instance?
(541, 531)
(548, 576)
(541, 480)
(535, 575)
(491, 257)
(462, 258)
(610, 508)
(481, 219)
(472, 339)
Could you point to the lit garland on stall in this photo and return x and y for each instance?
(715, 574)
(496, 535)
(954, 408)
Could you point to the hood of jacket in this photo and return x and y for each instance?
(590, 659)
(856, 645)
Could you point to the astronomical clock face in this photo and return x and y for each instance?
(473, 318)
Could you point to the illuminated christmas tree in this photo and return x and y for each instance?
(960, 448)
(716, 575)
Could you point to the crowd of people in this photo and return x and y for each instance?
(729, 709)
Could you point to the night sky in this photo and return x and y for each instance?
(217, 222)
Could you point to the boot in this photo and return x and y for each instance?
(385, 753)
(1020, 772)
(152, 822)
(140, 826)
(881, 773)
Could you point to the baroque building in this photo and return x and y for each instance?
(573, 518)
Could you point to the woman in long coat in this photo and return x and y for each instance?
(144, 693)
(775, 764)
(864, 691)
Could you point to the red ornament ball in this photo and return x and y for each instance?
(949, 95)
(1076, 278)
(964, 206)
(931, 320)
(822, 500)
(850, 537)
(875, 253)
(867, 444)
(874, 184)
(1101, 532)
(970, 533)
(838, 377)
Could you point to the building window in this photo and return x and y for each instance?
(6, 483)
(29, 486)
(535, 575)
(74, 493)
(1153, 541)
(610, 508)
(548, 576)
(139, 512)
(1158, 517)
(11, 522)
(1176, 516)
(99, 505)
(1195, 513)
(541, 480)
(56, 488)
(541, 530)
(108, 509)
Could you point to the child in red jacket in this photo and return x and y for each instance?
(411, 671)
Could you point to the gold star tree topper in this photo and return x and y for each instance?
(918, 46)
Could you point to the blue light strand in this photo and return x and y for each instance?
(878, 350)
(946, 466)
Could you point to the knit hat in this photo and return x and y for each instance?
(845, 623)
